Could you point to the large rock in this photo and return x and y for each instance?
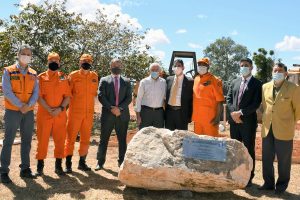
(154, 160)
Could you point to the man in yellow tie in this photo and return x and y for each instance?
(179, 98)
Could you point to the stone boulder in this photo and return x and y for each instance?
(154, 160)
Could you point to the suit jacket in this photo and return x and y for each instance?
(186, 96)
(250, 101)
(107, 97)
(281, 112)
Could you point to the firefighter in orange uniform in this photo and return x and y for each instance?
(54, 97)
(84, 85)
(207, 100)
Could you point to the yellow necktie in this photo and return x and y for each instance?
(174, 93)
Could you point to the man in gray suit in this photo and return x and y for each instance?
(115, 96)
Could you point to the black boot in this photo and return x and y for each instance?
(82, 165)
(58, 169)
(5, 178)
(40, 167)
(68, 169)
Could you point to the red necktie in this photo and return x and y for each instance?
(117, 90)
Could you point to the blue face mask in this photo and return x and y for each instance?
(244, 71)
(277, 77)
(154, 75)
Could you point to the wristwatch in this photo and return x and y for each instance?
(62, 108)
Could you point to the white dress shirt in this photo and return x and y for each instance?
(151, 93)
(179, 90)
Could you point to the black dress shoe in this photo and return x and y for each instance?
(98, 167)
(266, 187)
(27, 173)
(5, 178)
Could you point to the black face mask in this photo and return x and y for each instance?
(116, 70)
(86, 66)
(53, 66)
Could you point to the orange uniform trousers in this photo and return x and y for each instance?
(57, 126)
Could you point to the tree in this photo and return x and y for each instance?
(264, 64)
(225, 55)
(49, 27)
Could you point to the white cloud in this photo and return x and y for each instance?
(156, 36)
(131, 3)
(88, 10)
(181, 31)
(234, 32)
(160, 54)
(289, 43)
(194, 45)
(201, 16)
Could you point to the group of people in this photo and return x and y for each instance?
(178, 100)
(66, 107)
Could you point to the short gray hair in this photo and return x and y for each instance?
(154, 64)
(24, 46)
(115, 60)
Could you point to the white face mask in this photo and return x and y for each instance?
(202, 70)
(25, 59)
(245, 71)
(278, 77)
(177, 70)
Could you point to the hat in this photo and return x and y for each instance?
(53, 55)
(204, 61)
(86, 57)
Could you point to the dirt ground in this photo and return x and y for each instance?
(104, 184)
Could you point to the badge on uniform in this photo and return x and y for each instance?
(14, 77)
(207, 83)
(94, 80)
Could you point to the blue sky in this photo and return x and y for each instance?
(191, 25)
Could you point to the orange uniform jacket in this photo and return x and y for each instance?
(80, 114)
(207, 93)
(54, 87)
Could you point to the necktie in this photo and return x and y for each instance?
(117, 90)
(241, 91)
(174, 93)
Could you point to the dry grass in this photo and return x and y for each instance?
(104, 184)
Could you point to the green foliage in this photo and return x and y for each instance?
(49, 27)
(225, 55)
(264, 62)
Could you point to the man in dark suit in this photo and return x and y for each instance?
(179, 99)
(243, 99)
(115, 96)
